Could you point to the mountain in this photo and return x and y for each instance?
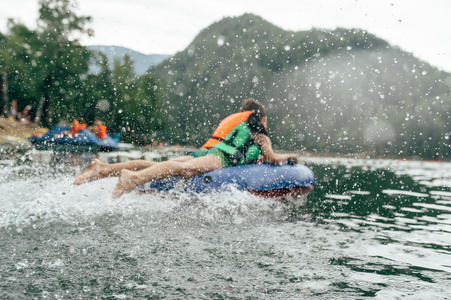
(342, 90)
(142, 62)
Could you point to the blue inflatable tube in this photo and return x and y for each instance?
(84, 141)
(261, 179)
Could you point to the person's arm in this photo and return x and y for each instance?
(270, 156)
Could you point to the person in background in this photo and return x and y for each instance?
(77, 125)
(13, 110)
(26, 115)
(99, 129)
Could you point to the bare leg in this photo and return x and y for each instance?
(128, 180)
(97, 170)
(182, 158)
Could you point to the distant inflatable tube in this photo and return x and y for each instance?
(84, 141)
(264, 180)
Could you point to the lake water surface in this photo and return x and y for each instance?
(370, 228)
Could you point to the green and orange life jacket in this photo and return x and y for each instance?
(226, 126)
(234, 137)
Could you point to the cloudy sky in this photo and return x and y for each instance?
(422, 27)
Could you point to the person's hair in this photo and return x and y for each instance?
(252, 104)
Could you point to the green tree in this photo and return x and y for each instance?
(136, 103)
(18, 61)
(63, 60)
(3, 76)
(123, 82)
(98, 92)
(145, 114)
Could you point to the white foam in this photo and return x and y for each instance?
(44, 199)
(440, 193)
(405, 193)
(338, 197)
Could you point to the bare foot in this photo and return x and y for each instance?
(125, 184)
(92, 172)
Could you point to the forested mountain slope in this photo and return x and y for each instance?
(141, 61)
(344, 90)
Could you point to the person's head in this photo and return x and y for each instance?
(252, 104)
(98, 123)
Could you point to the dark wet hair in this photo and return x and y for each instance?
(252, 104)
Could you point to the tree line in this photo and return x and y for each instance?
(48, 69)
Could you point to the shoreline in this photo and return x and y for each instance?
(12, 131)
(16, 133)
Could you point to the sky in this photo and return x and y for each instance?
(421, 27)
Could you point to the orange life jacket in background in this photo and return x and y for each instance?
(76, 127)
(226, 126)
(100, 131)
